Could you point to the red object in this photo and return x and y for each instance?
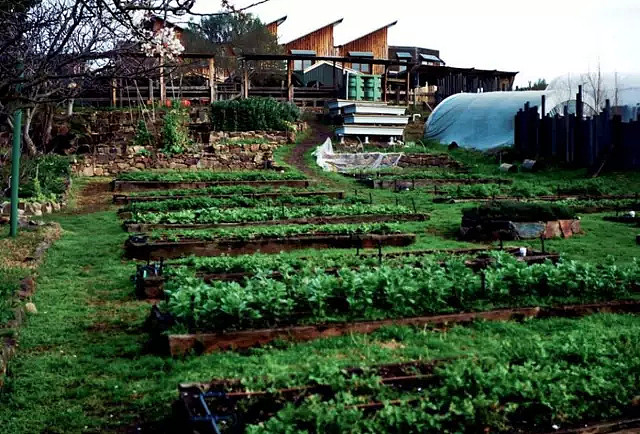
(167, 103)
(186, 103)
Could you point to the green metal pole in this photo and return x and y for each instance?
(15, 170)
(15, 163)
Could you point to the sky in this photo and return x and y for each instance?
(539, 39)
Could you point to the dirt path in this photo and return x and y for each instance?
(319, 133)
(94, 196)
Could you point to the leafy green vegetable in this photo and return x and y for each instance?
(263, 213)
(235, 201)
(276, 231)
(388, 291)
(207, 175)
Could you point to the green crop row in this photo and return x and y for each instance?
(209, 176)
(540, 377)
(248, 233)
(285, 262)
(226, 190)
(530, 189)
(235, 201)
(308, 296)
(263, 213)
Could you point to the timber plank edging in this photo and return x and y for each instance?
(180, 345)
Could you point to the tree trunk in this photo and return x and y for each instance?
(47, 127)
(28, 142)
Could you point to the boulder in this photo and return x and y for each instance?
(87, 171)
(46, 208)
(98, 171)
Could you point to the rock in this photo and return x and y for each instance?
(98, 171)
(140, 165)
(31, 308)
(46, 208)
(37, 213)
(5, 208)
(552, 230)
(27, 287)
(87, 171)
(56, 206)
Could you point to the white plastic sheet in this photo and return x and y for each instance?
(342, 162)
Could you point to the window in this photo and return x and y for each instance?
(362, 67)
(403, 68)
(301, 65)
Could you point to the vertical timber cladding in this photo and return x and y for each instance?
(375, 42)
(320, 41)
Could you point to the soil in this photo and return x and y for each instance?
(96, 196)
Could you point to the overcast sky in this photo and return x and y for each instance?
(553, 38)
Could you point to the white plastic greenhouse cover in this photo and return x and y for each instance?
(621, 89)
(486, 120)
(479, 120)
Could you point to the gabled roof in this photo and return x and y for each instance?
(370, 33)
(277, 22)
(333, 24)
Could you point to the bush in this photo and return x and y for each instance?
(44, 177)
(519, 212)
(175, 135)
(253, 114)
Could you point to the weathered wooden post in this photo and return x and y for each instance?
(212, 80)
(290, 80)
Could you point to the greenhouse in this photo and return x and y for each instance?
(486, 120)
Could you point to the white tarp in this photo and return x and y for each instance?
(342, 162)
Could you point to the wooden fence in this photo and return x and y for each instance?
(577, 140)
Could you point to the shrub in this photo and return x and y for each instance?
(519, 212)
(175, 136)
(143, 137)
(44, 177)
(253, 114)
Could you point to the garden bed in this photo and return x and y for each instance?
(392, 218)
(123, 199)
(121, 185)
(227, 404)
(518, 220)
(183, 344)
(150, 278)
(410, 184)
(159, 249)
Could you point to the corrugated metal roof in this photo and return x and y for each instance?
(360, 54)
(403, 55)
(431, 58)
(303, 52)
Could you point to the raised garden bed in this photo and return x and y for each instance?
(392, 218)
(150, 278)
(410, 184)
(518, 220)
(227, 405)
(121, 185)
(146, 249)
(122, 199)
(180, 345)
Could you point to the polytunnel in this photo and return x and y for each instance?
(486, 120)
(478, 120)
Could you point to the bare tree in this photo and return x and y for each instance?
(595, 88)
(51, 50)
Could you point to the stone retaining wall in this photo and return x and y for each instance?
(112, 160)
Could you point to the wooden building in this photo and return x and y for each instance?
(372, 45)
(317, 43)
(273, 26)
